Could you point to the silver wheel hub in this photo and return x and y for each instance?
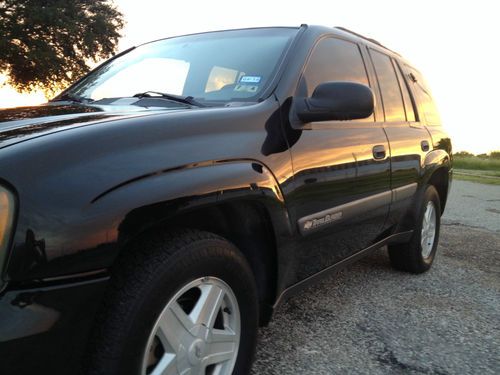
(198, 332)
(428, 233)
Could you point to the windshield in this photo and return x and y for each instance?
(220, 66)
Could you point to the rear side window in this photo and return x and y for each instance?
(426, 102)
(334, 60)
(410, 113)
(389, 87)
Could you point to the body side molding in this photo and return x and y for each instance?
(404, 192)
(310, 223)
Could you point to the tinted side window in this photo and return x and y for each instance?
(389, 86)
(410, 113)
(426, 102)
(334, 60)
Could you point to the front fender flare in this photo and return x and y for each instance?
(132, 208)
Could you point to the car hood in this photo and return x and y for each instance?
(22, 123)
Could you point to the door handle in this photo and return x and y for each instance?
(379, 152)
(424, 145)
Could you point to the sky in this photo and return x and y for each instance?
(453, 43)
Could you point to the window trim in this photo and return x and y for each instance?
(413, 97)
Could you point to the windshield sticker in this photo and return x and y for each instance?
(246, 88)
(250, 79)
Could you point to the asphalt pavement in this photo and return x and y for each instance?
(371, 319)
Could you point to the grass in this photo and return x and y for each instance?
(491, 180)
(472, 168)
(473, 162)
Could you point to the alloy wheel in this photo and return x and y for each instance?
(428, 233)
(197, 333)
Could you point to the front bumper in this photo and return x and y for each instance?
(44, 330)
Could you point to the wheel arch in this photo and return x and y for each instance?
(240, 201)
(438, 173)
(248, 225)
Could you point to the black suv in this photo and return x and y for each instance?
(157, 211)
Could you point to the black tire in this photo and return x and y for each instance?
(408, 256)
(147, 277)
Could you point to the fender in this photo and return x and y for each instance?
(436, 161)
(164, 195)
(117, 216)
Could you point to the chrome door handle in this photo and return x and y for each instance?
(424, 145)
(378, 152)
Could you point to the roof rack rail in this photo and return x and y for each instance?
(365, 38)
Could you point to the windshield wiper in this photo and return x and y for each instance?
(175, 98)
(71, 97)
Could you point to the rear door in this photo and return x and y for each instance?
(409, 140)
(341, 191)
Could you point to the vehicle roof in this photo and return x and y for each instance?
(354, 36)
(223, 30)
(315, 29)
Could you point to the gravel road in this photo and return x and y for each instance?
(370, 319)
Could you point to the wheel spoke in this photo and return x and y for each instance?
(173, 325)
(206, 309)
(219, 352)
(219, 335)
(166, 366)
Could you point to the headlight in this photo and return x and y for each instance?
(6, 223)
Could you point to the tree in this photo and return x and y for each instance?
(47, 44)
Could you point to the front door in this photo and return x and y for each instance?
(341, 192)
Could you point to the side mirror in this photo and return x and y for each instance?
(336, 101)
